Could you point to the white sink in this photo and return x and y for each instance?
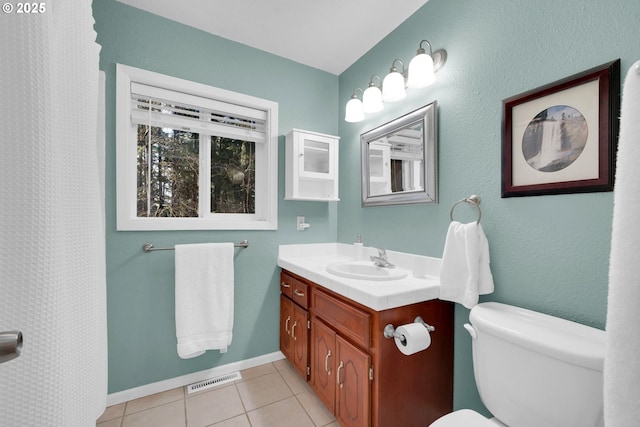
(365, 270)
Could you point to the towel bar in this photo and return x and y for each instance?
(148, 247)
(472, 200)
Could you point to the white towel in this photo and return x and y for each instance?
(465, 272)
(204, 298)
(622, 360)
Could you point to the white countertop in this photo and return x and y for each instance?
(310, 261)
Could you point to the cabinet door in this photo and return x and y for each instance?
(317, 156)
(353, 403)
(286, 320)
(300, 337)
(323, 356)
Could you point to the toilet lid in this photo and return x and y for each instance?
(463, 418)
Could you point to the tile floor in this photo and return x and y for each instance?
(269, 395)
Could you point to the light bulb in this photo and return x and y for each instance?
(393, 87)
(354, 111)
(372, 100)
(421, 72)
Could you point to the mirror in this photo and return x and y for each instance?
(399, 160)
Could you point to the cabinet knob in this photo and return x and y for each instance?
(293, 330)
(285, 285)
(286, 325)
(298, 293)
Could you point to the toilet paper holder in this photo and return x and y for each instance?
(390, 330)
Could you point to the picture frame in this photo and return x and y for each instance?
(562, 137)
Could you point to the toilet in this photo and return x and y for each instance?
(533, 370)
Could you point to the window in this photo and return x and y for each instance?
(193, 157)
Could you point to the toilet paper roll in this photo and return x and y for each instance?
(416, 338)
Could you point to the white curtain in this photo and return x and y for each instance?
(622, 356)
(52, 261)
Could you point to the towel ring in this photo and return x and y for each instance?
(472, 200)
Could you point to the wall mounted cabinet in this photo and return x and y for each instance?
(311, 166)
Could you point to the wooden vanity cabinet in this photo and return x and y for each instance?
(362, 378)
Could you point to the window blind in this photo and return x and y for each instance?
(160, 107)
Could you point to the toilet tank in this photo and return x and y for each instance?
(535, 370)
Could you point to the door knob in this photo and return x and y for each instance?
(10, 345)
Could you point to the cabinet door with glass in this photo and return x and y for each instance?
(311, 166)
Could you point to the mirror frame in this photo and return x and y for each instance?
(429, 194)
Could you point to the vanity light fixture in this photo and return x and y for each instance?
(372, 97)
(393, 84)
(422, 68)
(354, 111)
(421, 73)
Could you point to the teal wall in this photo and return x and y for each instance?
(140, 288)
(549, 253)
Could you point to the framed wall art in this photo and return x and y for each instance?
(561, 138)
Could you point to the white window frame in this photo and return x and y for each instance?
(266, 193)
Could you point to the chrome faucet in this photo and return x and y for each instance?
(381, 259)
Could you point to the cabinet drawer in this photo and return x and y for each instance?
(346, 319)
(300, 293)
(286, 284)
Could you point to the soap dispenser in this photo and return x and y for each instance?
(357, 248)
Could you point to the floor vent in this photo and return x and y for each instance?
(213, 382)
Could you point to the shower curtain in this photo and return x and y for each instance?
(622, 361)
(52, 250)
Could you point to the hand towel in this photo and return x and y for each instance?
(465, 272)
(204, 298)
(622, 349)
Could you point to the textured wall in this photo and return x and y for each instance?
(549, 253)
(142, 343)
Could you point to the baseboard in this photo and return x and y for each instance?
(160, 386)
